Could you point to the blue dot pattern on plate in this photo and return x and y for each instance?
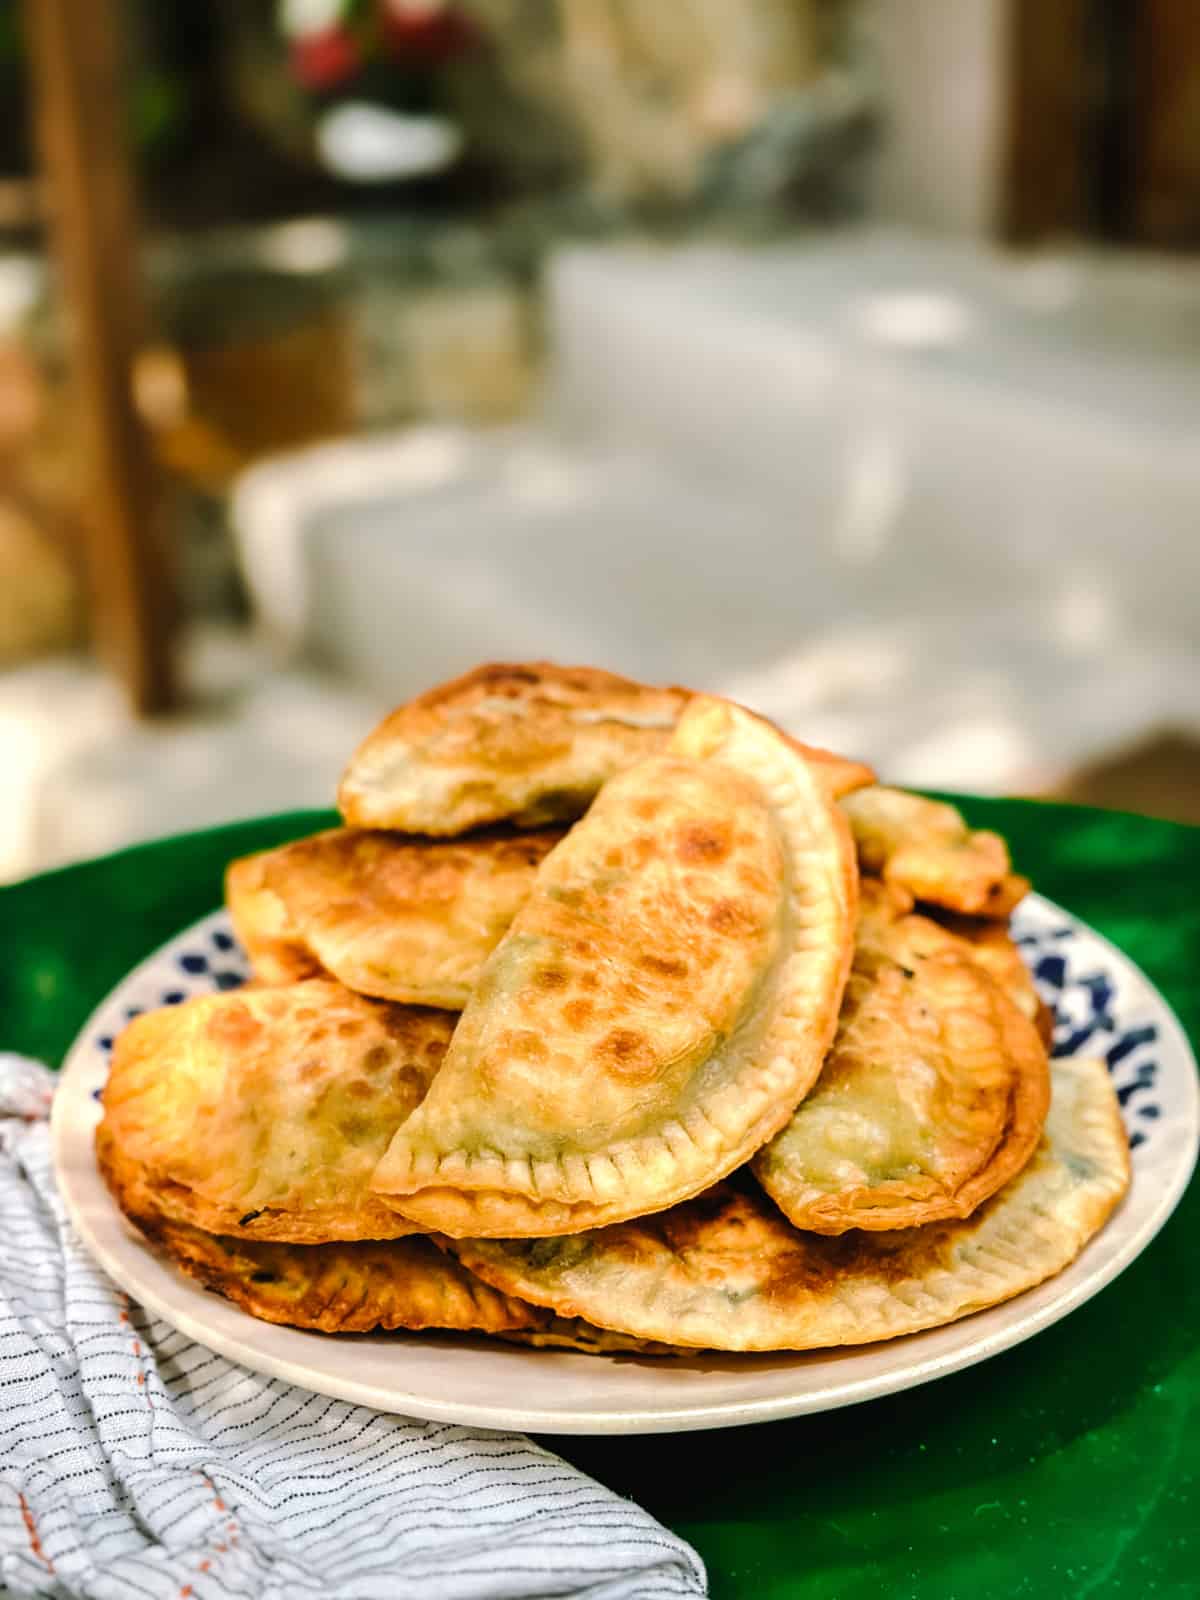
(1068, 967)
(193, 970)
(1088, 1016)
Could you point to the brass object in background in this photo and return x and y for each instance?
(262, 363)
(39, 586)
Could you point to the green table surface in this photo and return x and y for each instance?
(1067, 1466)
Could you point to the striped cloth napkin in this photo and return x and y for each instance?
(136, 1465)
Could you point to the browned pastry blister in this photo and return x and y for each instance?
(387, 915)
(526, 742)
(263, 1114)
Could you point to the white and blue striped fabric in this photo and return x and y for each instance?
(136, 1465)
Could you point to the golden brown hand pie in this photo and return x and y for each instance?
(384, 914)
(885, 924)
(413, 920)
(925, 847)
(660, 1004)
(345, 1287)
(260, 919)
(932, 1097)
(374, 1286)
(529, 743)
(573, 1333)
(263, 1114)
(351, 1287)
(727, 1271)
(992, 946)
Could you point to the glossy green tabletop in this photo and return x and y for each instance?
(1067, 1467)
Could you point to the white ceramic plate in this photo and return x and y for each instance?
(1104, 1005)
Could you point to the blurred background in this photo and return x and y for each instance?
(840, 354)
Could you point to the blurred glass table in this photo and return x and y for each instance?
(1070, 1465)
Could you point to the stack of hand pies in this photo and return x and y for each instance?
(615, 1019)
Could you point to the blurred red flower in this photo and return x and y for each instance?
(322, 61)
(424, 32)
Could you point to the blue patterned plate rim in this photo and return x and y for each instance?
(1104, 1005)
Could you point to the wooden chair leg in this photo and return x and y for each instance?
(75, 52)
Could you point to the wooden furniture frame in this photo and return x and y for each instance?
(75, 55)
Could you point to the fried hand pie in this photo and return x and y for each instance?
(932, 1097)
(993, 947)
(727, 1271)
(573, 1333)
(658, 1007)
(385, 915)
(380, 1286)
(529, 743)
(263, 1114)
(357, 1287)
(925, 847)
(272, 942)
(346, 1287)
(885, 924)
